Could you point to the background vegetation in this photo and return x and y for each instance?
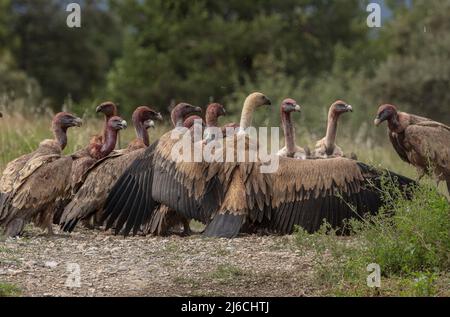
(159, 52)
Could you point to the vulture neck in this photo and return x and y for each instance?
(178, 120)
(60, 136)
(141, 132)
(330, 137)
(105, 127)
(247, 115)
(211, 120)
(289, 132)
(110, 142)
(398, 122)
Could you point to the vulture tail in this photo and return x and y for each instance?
(225, 225)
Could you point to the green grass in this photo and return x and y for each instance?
(9, 290)
(5, 250)
(411, 246)
(227, 272)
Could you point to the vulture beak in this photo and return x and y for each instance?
(349, 108)
(149, 124)
(268, 102)
(159, 117)
(77, 122)
(377, 122)
(98, 109)
(297, 108)
(123, 124)
(198, 109)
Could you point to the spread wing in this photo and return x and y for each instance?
(156, 178)
(129, 203)
(246, 190)
(305, 192)
(97, 184)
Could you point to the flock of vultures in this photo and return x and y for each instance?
(142, 189)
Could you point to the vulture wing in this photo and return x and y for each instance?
(429, 143)
(129, 204)
(397, 142)
(16, 175)
(10, 173)
(156, 178)
(305, 192)
(8, 179)
(246, 190)
(95, 187)
(37, 192)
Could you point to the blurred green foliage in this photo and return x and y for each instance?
(160, 52)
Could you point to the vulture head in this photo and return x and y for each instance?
(215, 110)
(108, 108)
(340, 107)
(182, 111)
(143, 114)
(289, 105)
(257, 99)
(116, 123)
(189, 122)
(65, 120)
(385, 112)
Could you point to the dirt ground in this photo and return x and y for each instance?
(41, 265)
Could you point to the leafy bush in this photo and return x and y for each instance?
(409, 239)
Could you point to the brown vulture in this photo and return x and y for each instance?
(164, 218)
(31, 184)
(420, 141)
(327, 147)
(233, 195)
(290, 149)
(86, 157)
(129, 205)
(99, 147)
(98, 180)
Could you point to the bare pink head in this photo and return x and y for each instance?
(289, 105)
